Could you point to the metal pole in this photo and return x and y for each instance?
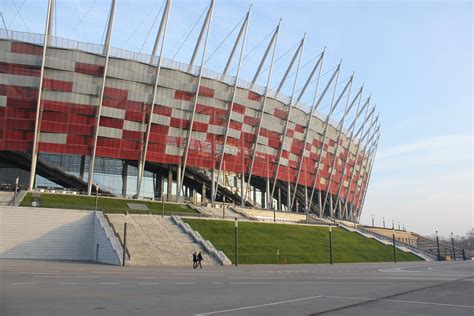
(283, 137)
(124, 255)
(368, 147)
(223, 207)
(231, 105)
(361, 202)
(310, 77)
(17, 181)
(338, 139)
(101, 97)
(364, 163)
(372, 220)
(161, 30)
(196, 97)
(163, 27)
(437, 246)
(236, 242)
(51, 19)
(34, 153)
(330, 244)
(361, 129)
(300, 48)
(454, 250)
(254, 150)
(308, 126)
(243, 29)
(264, 58)
(384, 222)
(331, 110)
(96, 196)
(394, 248)
(206, 23)
(162, 204)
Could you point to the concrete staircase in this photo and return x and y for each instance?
(155, 240)
(217, 212)
(6, 197)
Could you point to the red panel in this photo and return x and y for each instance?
(89, 69)
(57, 85)
(20, 70)
(162, 110)
(179, 123)
(133, 135)
(115, 93)
(200, 127)
(206, 92)
(135, 116)
(253, 96)
(280, 114)
(25, 48)
(111, 122)
(183, 95)
(54, 127)
(238, 108)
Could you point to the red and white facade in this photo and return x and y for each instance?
(69, 119)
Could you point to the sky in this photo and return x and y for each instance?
(413, 57)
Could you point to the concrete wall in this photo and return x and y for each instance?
(55, 234)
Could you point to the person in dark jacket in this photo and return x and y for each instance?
(199, 259)
(194, 260)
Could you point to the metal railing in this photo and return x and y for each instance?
(397, 242)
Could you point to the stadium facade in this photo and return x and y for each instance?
(144, 126)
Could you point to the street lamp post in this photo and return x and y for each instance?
(124, 254)
(17, 181)
(223, 207)
(96, 196)
(236, 241)
(383, 222)
(372, 220)
(454, 250)
(437, 244)
(394, 247)
(330, 244)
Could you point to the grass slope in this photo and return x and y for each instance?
(258, 243)
(109, 205)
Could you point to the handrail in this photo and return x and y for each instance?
(397, 242)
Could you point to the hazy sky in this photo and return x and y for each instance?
(415, 59)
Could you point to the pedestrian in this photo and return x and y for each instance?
(194, 260)
(199, 259)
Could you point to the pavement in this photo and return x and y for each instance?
(83, 288)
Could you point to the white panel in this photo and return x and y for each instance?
(54, 138)
(113, 112)
(133, 126)
(109, 132)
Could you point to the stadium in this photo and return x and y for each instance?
(83, 117)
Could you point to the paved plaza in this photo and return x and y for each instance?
(72, 288)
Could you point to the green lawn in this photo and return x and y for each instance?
(109, 205)
(258, 243)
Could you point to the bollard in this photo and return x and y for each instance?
(97, 252)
